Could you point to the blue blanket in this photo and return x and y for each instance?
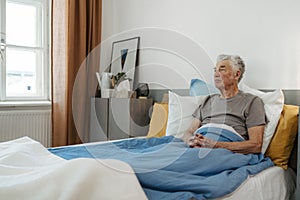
(168, 169)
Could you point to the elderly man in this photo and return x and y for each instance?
(242, 111)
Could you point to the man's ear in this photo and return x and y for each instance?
(237, 75)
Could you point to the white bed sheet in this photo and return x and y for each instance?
(29, 171)
(273, 183)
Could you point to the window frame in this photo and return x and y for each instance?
(42, 48)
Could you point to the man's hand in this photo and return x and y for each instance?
(253, 145)
(199, 141)
(193, 141)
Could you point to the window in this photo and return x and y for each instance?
(24, 61)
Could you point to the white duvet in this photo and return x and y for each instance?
(29, 171)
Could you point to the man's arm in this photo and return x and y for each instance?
(253, 145)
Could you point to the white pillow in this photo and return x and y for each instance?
(273, 106)
(180, 116)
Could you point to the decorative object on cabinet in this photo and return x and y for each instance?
(118, 78)
(124, 59)
(123, 90)
(105, 84)
(142, 90)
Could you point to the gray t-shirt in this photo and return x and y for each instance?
(241, 112)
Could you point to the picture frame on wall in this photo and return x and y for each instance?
(124, 59)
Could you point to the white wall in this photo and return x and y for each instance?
(193, 32)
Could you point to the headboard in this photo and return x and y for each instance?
(291, 97)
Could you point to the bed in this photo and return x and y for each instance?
(158, 166)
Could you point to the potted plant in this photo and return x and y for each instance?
(116, 79)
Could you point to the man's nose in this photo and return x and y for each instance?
(216, 74)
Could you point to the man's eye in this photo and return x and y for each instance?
(219, 69)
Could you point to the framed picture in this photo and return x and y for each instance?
(124, 58)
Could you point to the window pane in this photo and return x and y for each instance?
(21, 24)
(21, 72)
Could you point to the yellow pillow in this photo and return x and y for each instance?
(158, 122)
(282, 143)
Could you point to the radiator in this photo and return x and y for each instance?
(35, 124)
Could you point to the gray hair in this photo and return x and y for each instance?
(236, 61)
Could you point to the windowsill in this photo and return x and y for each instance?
(8, 104)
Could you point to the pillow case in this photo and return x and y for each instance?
(282, 143)
(158, 122)
(180, 116)
(273, 106)
(199, 88)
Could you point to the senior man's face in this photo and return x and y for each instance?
(224, 75)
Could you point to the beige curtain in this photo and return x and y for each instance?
(76, 35)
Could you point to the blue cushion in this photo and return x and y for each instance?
(199, 87)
